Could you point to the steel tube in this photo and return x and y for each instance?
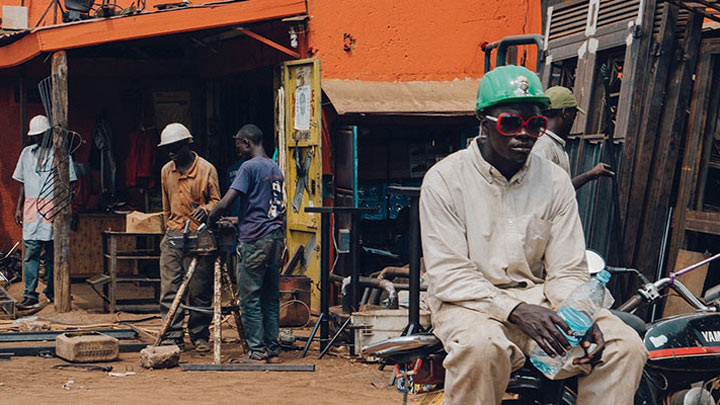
(355, 260)
(376, 283)
(414, 309)
(50, 335)
(324, 279)
(247, 367)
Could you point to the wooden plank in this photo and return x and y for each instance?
(61, 222)
(695, 132)
(669, 138)
(630, 107)
(694, 281)
(705, 222)
(707, 143)
(647, 138)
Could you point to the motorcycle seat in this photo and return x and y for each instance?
(632, 321)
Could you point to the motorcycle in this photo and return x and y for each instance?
(682, 369)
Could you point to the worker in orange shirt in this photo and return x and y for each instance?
(190, 190)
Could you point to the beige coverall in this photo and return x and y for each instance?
(552, 148)
(490, 244)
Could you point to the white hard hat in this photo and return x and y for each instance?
(173, 133)
(38, 125)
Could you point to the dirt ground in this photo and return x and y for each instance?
(336, 379)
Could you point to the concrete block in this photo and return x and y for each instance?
(154, 357)
(86, 347)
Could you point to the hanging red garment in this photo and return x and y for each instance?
(140, 162)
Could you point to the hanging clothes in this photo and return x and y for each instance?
(140, 162)
(103, 142)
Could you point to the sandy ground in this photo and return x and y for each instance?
(335, 379)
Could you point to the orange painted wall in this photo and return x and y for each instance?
(414, 40)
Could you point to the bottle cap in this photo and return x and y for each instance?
(603, 276)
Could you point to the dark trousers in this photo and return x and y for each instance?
(173, 266)
(32, 251)
(258, 275)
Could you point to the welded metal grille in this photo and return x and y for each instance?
(710, 8)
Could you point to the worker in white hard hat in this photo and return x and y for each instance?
(190, 190)
(32, 173)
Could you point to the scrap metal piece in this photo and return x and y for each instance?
(301, 183)
(87, 367)
(51, 335)
(7, 304)
(248, 367)
(50, 350)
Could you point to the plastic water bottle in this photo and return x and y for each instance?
(578, 312)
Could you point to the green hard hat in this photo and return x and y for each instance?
(510, 84)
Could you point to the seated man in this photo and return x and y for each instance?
(503, 246)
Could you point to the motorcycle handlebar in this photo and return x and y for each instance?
(631, 304)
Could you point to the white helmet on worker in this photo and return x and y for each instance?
(174, 132)
(38, 125)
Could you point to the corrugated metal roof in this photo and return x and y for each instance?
(10, 36)
(451, 98)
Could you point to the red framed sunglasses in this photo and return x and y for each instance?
(510, 124)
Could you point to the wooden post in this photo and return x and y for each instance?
(217, 313)
(61, 223)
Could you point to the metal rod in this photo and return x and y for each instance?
(355, 261)
(414, 308)
(248, 367)
(337, 334)
(176, 301)
(376, 283)
(503, 44)
(324, 282)
(312, 335)
(50, 335)
(236, 308)
(693, 267)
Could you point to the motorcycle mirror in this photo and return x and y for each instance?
(596, 263)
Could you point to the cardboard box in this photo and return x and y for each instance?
(140, 222)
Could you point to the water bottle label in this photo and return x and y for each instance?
(578, 322)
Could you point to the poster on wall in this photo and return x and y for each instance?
(302, 108)
(172, 106)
